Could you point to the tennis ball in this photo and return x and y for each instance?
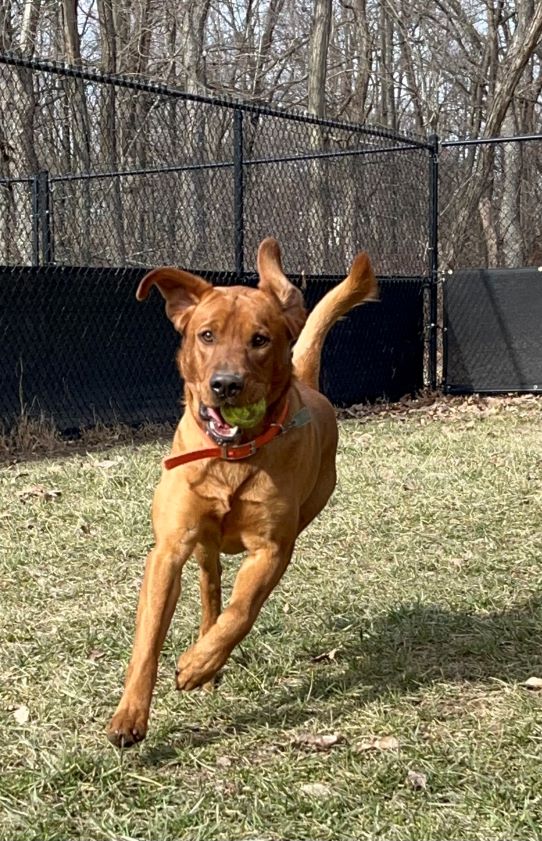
(244, 416)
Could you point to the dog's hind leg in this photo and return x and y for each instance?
(318, 499)
(210, 573)
(258, 575)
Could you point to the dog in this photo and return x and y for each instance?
(231, 489)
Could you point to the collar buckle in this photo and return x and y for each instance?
(238, 452)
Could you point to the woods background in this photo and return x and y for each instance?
(459, 69)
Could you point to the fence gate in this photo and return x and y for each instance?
(491, 200)
(494, 345)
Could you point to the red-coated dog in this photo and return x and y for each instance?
(229, 489)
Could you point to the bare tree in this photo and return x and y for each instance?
(318, 50)
(319, 212)
(522, 45)
(459, 69)
(29, 26)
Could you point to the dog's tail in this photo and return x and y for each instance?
(359, 286)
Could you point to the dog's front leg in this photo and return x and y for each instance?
(157, 599)
(259, 573)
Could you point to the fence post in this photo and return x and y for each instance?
(42, 241)
(238, 194)
(433, 141)
(35, 222)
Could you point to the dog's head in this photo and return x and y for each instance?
(236, 348)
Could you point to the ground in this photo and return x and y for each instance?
(381, 693)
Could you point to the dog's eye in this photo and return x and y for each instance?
(259, 340)
(207, 337)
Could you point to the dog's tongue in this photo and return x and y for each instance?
(219, 424)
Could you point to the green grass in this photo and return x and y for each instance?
(423, 573)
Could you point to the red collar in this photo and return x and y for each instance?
(241, 451)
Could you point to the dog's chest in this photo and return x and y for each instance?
(229, 486)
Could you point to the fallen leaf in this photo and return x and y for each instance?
(378, 743)
(95, 654)
(107, 463)
(316, 790)
(327, 655)
(38, 491)
(257, 838)
(320, 742)
(534, 683)
(21, 714)
(416, 780)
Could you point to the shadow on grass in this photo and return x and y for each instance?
(405, 649)
(414, 645)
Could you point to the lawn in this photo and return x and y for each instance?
(380, 694)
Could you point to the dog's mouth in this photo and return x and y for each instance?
(216, 427)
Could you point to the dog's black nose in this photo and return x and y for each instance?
(226, 385)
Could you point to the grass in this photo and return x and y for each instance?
(422, 578)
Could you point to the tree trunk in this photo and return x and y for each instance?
(195, 194)
(193, 27)
(318, 49)
(389, 117)
(81, 132)
(485, 208)
(109, 157)
(320, 210)
(511, 204)
(29, 27)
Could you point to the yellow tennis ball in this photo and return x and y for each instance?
(244, 416)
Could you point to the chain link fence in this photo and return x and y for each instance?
(107, 176)
(102, 178)
(490, 203)
(490, 245)
(136, 174)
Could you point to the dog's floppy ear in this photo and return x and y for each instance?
(273, 279)
(181, 290)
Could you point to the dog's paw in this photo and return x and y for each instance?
(127, 727)
(196, 668)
